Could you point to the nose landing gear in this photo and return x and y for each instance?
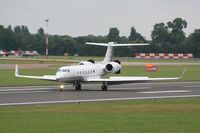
(61, 87)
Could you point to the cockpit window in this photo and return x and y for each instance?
(59, 70)
(65, 70)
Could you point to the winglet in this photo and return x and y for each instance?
(16, 71)
(183, 73)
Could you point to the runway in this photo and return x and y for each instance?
(92, 92)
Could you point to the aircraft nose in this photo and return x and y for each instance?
(59, 76)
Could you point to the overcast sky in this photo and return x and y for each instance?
(83, 17)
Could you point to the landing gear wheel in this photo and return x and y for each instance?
(104, 88)
(78, 87)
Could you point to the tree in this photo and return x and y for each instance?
(7, 39)
(160, 33)
(177, 35)
(9, 28)
(24, 30)
(193, 43)
(113, 35)
(177, 25)
(170, 37)
(136, 37)
(161, 37)
(40, 31)
(88, 50)
(17, 29)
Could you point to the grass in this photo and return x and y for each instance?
(11, 80)
(33, 61)
(192, 74)
(99, 58)
(139, 116)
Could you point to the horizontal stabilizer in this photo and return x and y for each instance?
(116, 45)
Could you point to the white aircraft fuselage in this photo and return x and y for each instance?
(79, 72)
(85, 70)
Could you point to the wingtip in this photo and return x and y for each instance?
(16, 70)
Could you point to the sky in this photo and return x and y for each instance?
(83, 17)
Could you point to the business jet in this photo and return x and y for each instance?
(89, 71)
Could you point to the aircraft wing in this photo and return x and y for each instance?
(44, 77)
(123, 79)
(116, 80)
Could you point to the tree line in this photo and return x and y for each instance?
(166, 37)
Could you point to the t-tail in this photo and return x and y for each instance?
(110, 45)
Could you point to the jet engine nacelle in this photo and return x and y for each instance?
(89, 62)
(86, 63)
(113, 67)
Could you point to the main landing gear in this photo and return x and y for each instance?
(104, 87)
(77, 86)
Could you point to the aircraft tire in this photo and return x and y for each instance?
(78, 87)
(104, 88)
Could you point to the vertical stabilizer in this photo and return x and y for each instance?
(109, 54)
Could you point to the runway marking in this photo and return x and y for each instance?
(132, 88)
(156, 92)
(23, 92)
(198, 86)
(112, 85)
(54, 86)
(6, 90)
(97, 100)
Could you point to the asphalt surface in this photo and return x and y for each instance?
(92, 92)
